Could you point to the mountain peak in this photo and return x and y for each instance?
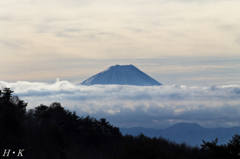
(122, 75)
(117, 65)
(185, 126)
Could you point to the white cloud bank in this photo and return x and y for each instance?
(146, 106)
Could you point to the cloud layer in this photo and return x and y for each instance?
(147, 106)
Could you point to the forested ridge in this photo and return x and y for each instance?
(54, 132)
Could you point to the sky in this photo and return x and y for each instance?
(190, 43)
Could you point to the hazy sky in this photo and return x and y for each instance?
(189, 42)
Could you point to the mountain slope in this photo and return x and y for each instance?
(192, 134)
(122, 75)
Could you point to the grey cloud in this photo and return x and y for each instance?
(126, 106)
(238, 41)
(10, 43)
(6, 18)
(236, 90)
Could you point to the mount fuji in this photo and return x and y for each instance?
(121, 75)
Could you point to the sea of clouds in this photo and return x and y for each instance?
(145, 106)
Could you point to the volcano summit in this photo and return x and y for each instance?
(121, 75)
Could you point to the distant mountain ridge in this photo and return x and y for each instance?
(190, 133)
(121, 75)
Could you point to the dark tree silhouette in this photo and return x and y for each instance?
(234, 146)
(229, 151)
(12, 116)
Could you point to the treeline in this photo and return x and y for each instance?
(54, 132)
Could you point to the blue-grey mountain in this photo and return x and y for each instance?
(121, 75)
(190, 133)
